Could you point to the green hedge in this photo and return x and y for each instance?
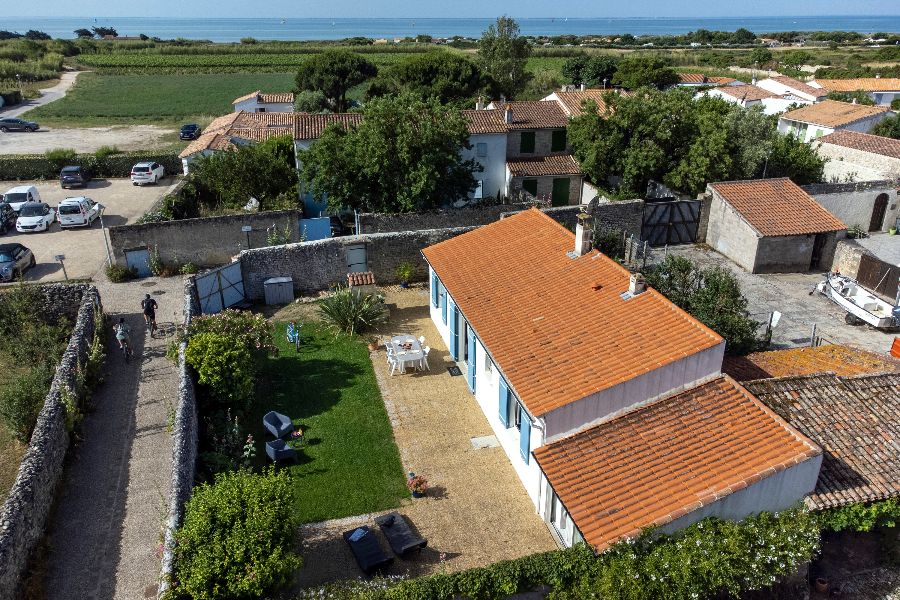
(15, 167)
(11, 97)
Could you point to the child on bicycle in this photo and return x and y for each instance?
(123, 334)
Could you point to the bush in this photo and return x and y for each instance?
(104, 151)
(224, 367)
(351, 312)
(120, 274)
(46, 166)
(188, 268)
(237, 537)
(861, 516)
(22, 399)
(246, 329)
(11, 97)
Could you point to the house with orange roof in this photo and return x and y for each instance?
(259, 101)
(811, 122)
(854, 156)
(882, 90)
(771, 226)
(607, 398)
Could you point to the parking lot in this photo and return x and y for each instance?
(83, 247)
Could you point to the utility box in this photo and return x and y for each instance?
(279, 290)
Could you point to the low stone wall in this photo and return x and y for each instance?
(206, 242)
(26, 509)
(321, 264)
(184, 445)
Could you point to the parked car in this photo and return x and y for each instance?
(7, 217)
(35, 216)
(74, 176)
(147, 172)
(21, 194)
(12, 124)
(190, 131)
(75, 212)
(15, 259)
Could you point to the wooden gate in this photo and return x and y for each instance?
(879, 276)
(671, 222)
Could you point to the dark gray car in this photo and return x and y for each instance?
(13, 124)
(15, 259)
(74, 176)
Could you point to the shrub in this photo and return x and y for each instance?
(104, 151)
(351, 312)
(237, 537)
(46, 166)
(22, 399)
(11, 97)
(224, 367)
(59, 158)
(120, 274)
(405, 272)
(861, 516)
(246, 329)
(188, 268)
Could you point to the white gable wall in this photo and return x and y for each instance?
(776, 87)
(252, 105)
(489, 150)
(808, 132)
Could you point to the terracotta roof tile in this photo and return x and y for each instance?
(537, 114)
(557, 164)
(831, 358)
(692, 78)
(265, 119)
(310, 127)
(775, 207)
(255, 127)
(867, 84)
(485, 121)
(800, 86)
(249, 96)
(207, 141)
(661, 461)
(747, 93)
(855, 420)
(832, 113)
(557, 327)
(721, 80)
(362, 278)
(571, 102)
(874, 144)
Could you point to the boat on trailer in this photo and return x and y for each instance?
(860, 303)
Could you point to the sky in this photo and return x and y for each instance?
(451, 8)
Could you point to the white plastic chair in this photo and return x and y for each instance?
(423, 362)
(394, 363)
(422, 340)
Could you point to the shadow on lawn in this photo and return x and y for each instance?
(301, 389)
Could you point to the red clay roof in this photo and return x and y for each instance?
(831, 358)
(659, 462)
(721, 80)
(557, 327)
(800, 86)
(833, 114)
(867, 84)
(571, 102)
(310, 127)
(746, 93)
(692, 78)
(557, 164)
(266, 97)
(775, 207)
(536, 114)
(866, 142)
(485, 121)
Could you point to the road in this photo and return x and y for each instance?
(48, 95)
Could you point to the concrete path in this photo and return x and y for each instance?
(104, 536)
(884, 246)
(48, 95)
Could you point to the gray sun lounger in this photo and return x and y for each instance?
(366, 550)
(399, 534)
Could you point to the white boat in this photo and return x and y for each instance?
(859, 302)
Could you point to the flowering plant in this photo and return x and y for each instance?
(417, 484)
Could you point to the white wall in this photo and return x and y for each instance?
(855, 207)
(884, 98)
(844, 163)
(251, 105)
(776, 106)
(776, 87)
(814, 131)
(494, 163)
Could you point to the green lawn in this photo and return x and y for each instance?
(350, 464)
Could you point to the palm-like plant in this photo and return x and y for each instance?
(352, 312)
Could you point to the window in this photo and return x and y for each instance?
(481, 149)
(526, 142)
(558, 142)
(479, 189)
(488, 365)
(530, 186)
(261, 109)
(517, 416)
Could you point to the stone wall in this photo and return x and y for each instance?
(206, 242)
(545, 186)
(846, 162)
(27, 507)
(184, 444)
(318, 265)
(847, 256)
(854, 203)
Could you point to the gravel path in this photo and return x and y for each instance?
(105, 532)
(48, 95)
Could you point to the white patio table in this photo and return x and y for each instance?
(407, 351)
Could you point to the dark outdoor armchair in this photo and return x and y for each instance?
(278, 451)
(277, 424)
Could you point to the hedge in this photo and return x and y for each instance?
(11, 97)
(39, 166)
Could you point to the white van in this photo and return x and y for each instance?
(76, 212)
(21, 194)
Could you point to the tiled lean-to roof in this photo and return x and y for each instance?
(866, 84)
(833, 114)
(874, 144)
(557, 164)
(557, 327)
(800, 86)
(311, 126)
(831, 358)
(485, 121)
(572, 102)
(855, 420)
(747, 93)
(776, 207)
(662, 461)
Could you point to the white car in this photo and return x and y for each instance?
(21, 194)
(147, 172)
(78, 211)
(35, 216)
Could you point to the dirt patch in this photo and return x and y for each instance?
(86, 139)
(859, 566)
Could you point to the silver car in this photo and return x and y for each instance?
(15, 259)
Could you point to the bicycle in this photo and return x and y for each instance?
(151, 325)
(127, 351)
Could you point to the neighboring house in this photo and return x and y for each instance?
(571, 102)
(487, 137)
(235, 129)
(601, 392)
(843, 361)
(699, 80)
(788, 86)
(307, 129)
(854, 156)
(882, 90)
(771, 226)
(816, 120)
(261, 102)
(856, 421)
(743, 95)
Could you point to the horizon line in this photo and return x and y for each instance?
(680, 18)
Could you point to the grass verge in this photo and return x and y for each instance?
(11, 449)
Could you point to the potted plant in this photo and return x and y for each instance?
(373, 343)
(405, 272)
(417, 484)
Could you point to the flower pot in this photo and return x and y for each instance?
(821, 584)
(404, 284)
(373, 346)
(892, 231)
(418, 494)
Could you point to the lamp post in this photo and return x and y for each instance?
(61, 258)
(247, 229)
(101, 208)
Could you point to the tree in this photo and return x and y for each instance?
(790, 157)
(760, 56)
(889, 127)
(311, 101)
(84, 33)
(859, 96)
(450, 78)
(503, 54)
(645, 71)
(334, 72)
(9, 35)
(795, 58)
(404, 156)
(743, 36)
(33, 34)
(573, 68)
(600, 69)
(102, 32)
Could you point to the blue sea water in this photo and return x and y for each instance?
(295, 28)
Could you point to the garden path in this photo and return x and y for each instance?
(104, 535)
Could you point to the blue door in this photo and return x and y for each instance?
(138, 260)
(454, 334)
(470, 360)
(525, 437)
(504, 402)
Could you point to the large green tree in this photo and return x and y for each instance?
(645, 71)
(889, 127)
(334, 72)
(591, 71)
(404, 156)
(503, 54)
(450, 78)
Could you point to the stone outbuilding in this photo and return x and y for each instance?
(771, 226)
(854, 156)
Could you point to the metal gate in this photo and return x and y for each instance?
(220, 288)
(671, 222)
(356, 258)
(879, 276)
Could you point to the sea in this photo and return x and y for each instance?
(298, 28)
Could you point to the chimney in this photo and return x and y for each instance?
(583, 87)
(508, 114)
(636, 284)
(753, 81)
(877, 75)
(479, 104)
(854, 101)
(584, 232)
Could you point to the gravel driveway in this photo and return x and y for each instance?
(84, 139)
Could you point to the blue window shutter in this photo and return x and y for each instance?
(504, 403)
(454, 335)
(470, 363)
(525, 439)
(434, 289)
(444, 303)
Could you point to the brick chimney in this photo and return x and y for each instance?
(584, 232)
(508, 114)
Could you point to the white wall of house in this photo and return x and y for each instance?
(849, 164)
(857, 207)
(776, 87)
(776, 106)
(489, 150)
(252, 105)
(884, 98)
(811, 131)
